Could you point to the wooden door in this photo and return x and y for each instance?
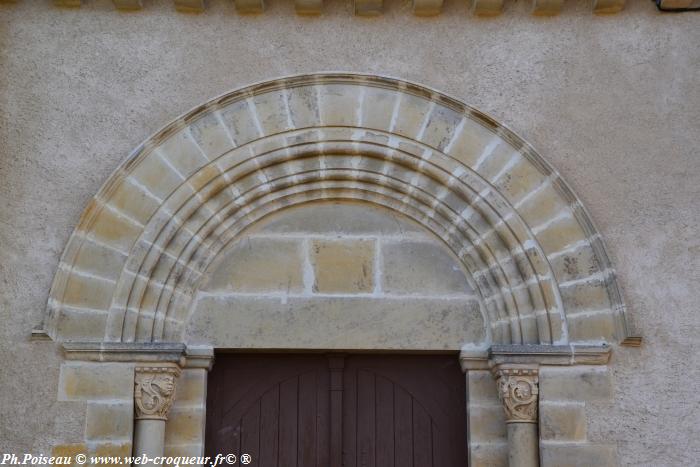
(338, 411)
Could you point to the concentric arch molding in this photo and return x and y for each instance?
(134, 262)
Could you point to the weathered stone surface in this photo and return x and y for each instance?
(562, 421)
(577, 455)
(341, 219)
(109, 420)
(580, 383)
(350, 323)
(184, 426)
(95, 381)
(343, 266)
(413, 267)
(260, 264)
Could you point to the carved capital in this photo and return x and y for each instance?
(154, 391)
(518, 389)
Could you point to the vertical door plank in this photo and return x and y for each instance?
(269, 428)
(366, 419)
(422, 437)
(323, 415)
(403, 426)
(385, 422)
(250, 431)
(288, 422)
(307, 420)
(350, 418)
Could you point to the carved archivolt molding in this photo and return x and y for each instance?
(518, 389)
(154, 391)
(186, 193)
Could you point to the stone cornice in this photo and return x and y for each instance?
(369, 7)
(535, 354)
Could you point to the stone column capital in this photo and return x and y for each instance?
(518, 390)
(154, 390)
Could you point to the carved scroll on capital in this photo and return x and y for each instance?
(154, 391)
(518, 389)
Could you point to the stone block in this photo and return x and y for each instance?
(467, 142)
(128, 4)
(575, 264)
(189, 6)
(88, 292)
(560, 234)
(69, 451)
(207, 131)
(378, 107)
(184, 450)
(337, 323)
(242, 121)
(580, 383)
(543, 204)
(368, 7)
(417, 267)
(192, 387)
(487, 423)
(183, 153)
(487, 7)
(130, 199)
(249, 7)
(488, 454)
(257, 264)
(546, 7)
(335, 102)
(587, 295)
(481, 387)
(185, 426)
(411, 115)
(153, 171)
(442, 121)
(94, 381)
(79, 325)
(113, 230)
(303, 106)
(117, 451)
(99, 261)
(338, 218)
(603, 7)
(562, 421)
(591, 326)
(519, 180)
(577, 455)
(109, 421)
(272, 112)
(67, 3)
(343, 266)
(427, 7)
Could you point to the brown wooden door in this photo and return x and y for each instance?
(352, 411)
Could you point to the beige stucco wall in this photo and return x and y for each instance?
(612, 102)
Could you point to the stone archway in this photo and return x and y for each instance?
(124, 289)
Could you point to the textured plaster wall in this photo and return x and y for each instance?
(613, 102)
